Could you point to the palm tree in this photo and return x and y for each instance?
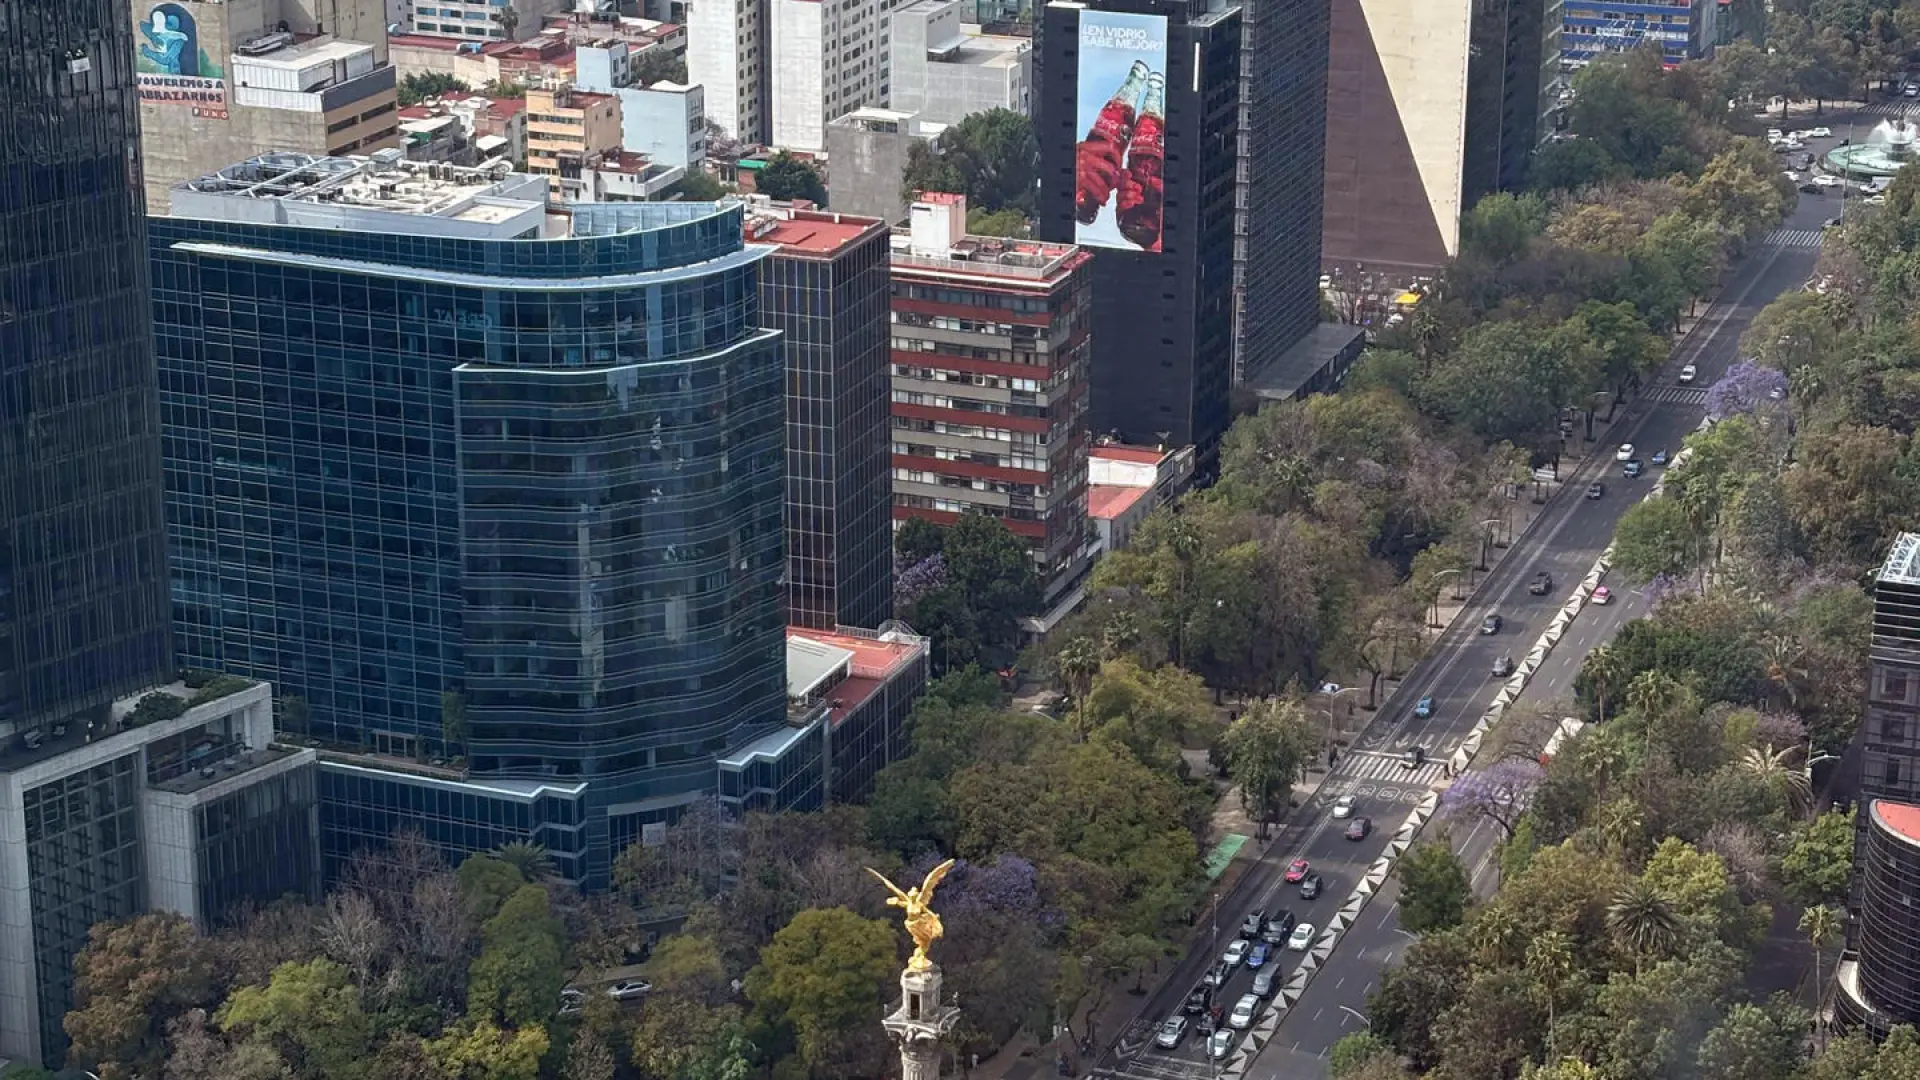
(1622, 827)
(1822, 927)
(529, 858)
(1642, 922)
(1781, 773)
(1605, 670)
(1495, 935)
(1785, 659)
(1077, 662)
(1121, 633)
(1550, 962)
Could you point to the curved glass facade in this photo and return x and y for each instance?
(543, 473)
(1888, 935)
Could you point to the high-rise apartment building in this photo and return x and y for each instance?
(1430, 106)
(991, 340)
(568, 133)
(1879, 987)
(727, 54)
(1681, 29)
(111, 803)
(223, 81)
(496, 492)
(1138, 114)
(828, 58)
(825, 288)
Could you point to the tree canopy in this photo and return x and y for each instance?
(991, 157)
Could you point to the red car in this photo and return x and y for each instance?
(1296, 870)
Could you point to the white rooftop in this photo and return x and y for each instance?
(306, 54)
(384, 192)
(811, 664)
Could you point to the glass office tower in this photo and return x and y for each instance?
(83, 615)
(496, 493)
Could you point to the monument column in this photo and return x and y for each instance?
(921, 1022)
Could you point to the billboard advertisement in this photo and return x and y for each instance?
(1121, 97)
(173, 65)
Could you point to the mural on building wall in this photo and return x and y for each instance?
(173, 65)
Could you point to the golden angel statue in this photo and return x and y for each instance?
(923, 925)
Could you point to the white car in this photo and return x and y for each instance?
(1775, 134)
(1343, 806)
(1823, 180)
(629, 989)
(1220, 1044)
(1236, 953)
(1875, 200)
(1243, 1012)
(1818, 133)
(1688, 374)
(1625, 453)
(1171, 1033)
(1302, 937)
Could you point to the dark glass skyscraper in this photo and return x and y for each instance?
(83, 608)
(474, 481)
(1163, 321)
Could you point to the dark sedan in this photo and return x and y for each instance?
(1359, 828)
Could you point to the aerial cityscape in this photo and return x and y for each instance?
(981, 539)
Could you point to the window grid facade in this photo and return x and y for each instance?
(82, 563)
(491, 467)
(831, 310)
(990, 398)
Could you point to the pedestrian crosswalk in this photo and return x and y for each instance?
(1803, 238)
(1676, 395)
(1889, 110)
(1384, 772)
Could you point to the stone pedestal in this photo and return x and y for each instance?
(920, 1023)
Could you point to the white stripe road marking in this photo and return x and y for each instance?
(1676, 395)
(1804, 238)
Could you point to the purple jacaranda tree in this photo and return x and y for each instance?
(1779, 730)
(913, 580)
(1501, 793)
(1744, 389)
(1665, 587)
(1009, 885)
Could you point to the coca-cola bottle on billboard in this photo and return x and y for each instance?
(1097, 160)
(1143, 188)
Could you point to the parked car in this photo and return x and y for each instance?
(1235, 955)
(1359, 828)
(1257, 956)
(1244, 1010)
(1219, 1044)
(1632, 468)
(1688, 373)
(1296, 870)
(1250, 926)
(1596, 490)
(571, 1000)
(1625, 452)
(628, 989)
(1602, 594)
(1541, 585)
(1171, 1032)
(1343, 806)
(1503, 667)
(1198, 1001)
(1491, 624)
(1424, 708)
(1302, 937)
(1415, 757)
(1310, 887)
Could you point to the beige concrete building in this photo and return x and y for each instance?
(223, 82)
(567, 130)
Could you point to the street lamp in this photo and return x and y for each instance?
(1434, 620)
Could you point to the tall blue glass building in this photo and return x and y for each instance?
(494, 492)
